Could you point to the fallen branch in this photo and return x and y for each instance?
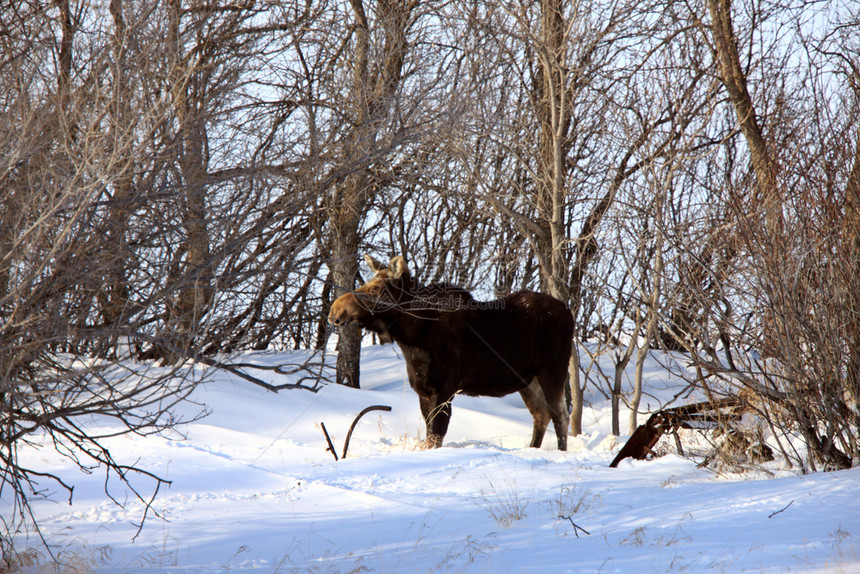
(355, 422)
(781, 510)
(233, 368)
(576, 527)
(351, 428)
(695, 416)
(328, 440)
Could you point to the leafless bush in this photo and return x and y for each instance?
(119, 221)
(772, 296)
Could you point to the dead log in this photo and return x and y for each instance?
(708, 414)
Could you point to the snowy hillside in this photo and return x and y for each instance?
(253, 489)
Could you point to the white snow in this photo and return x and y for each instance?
(253, 489)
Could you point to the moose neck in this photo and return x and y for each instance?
(406, 327)
(408, 320)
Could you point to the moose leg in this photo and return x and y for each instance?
(424, 402)
(437, 414)
(552, 384)
(535, 401)
(559, 423)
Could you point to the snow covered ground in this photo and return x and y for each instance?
(253, 489)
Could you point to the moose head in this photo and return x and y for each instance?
(387, 290)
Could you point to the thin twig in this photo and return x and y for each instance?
(781, 510)
(576, 527)
(328, 440)
(233, 370)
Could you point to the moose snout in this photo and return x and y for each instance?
(338, 318)
(339, 314)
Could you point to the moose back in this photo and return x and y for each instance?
(453, 343)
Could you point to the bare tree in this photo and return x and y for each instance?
(55, 168)
(584, 64)
(96, 220)
(773, 292)
(394, 149)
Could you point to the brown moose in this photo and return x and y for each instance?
(453, 343)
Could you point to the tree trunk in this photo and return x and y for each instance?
(576, 392)
(194, 282)
(553, 111)
(344, 271)
(652, 313)
(735, 81)
(64, 72)
(374, 88)
(851, 233)
(620, 367)
(113, 299)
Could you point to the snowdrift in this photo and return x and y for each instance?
(254, 489)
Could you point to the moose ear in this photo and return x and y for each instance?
(375, 266)
(398, 267)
